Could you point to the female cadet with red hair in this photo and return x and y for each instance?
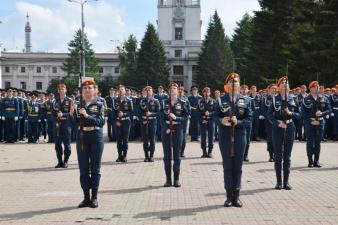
(282, 113)
(234, 115)
(89, 143)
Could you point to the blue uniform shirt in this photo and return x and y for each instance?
(276, 113)
(10, 107)
(243, 110)
(310, 106)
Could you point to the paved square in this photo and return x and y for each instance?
(33, 192)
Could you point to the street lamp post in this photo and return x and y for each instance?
(83, 62)
(116, 44)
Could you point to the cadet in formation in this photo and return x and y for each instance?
(111, 115)
(266, 104)
(314, 109)
(181, 95)
(10, 115)
(123, 109)
(173, 114)
(334, 107)
(34, 117)
(49, 116)
(234, 114)
(89, 143)
(63, 111)
(282, 113)
(194, 128)
(148, 111)
(207, 108)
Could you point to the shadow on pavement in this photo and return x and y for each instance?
(302, 169)
(30, 214)
(220, 163)
(130, 190)
(244, 192)
(168, 214)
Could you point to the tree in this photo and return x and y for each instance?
(152, 64)
(215, 59)
(241, 45)
(326, 41)
(72, 64)
(128, 61)
(299, 33)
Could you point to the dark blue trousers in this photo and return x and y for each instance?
(89, 158)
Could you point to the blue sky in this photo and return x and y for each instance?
(54, 21)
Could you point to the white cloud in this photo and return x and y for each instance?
(53, 29)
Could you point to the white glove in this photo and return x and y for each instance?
(16, 118)
(327, 116)
(20, 117)
(45, 120)
(39, 121)
(261, 117)
(26, 121)
(3, 118)
(332, 114)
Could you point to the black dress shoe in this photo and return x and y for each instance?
(146, 160)
(177, 183)
(59, 165)
(124, 160)
(228, 201)
(86, 201)
(236, 201)
(65, 165)
(168, 182)
(205, 155)
(151, 159)
(287, 186)
(210, 155)
(119, 159)
(317, 165)
(310, 165)
(271, 160)
(278, 186)
(246, 159)
(94, 203)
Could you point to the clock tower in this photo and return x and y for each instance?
(179, 28)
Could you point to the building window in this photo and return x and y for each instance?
(178, 53)
(38, 69)
(101, 69)
(23, 85)
(54, 69)
(7, 84)
(7, 70)
(117, 70)
(178, 33)
(194, 69)
(23, 69)
(38, 85)
(178, 70)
